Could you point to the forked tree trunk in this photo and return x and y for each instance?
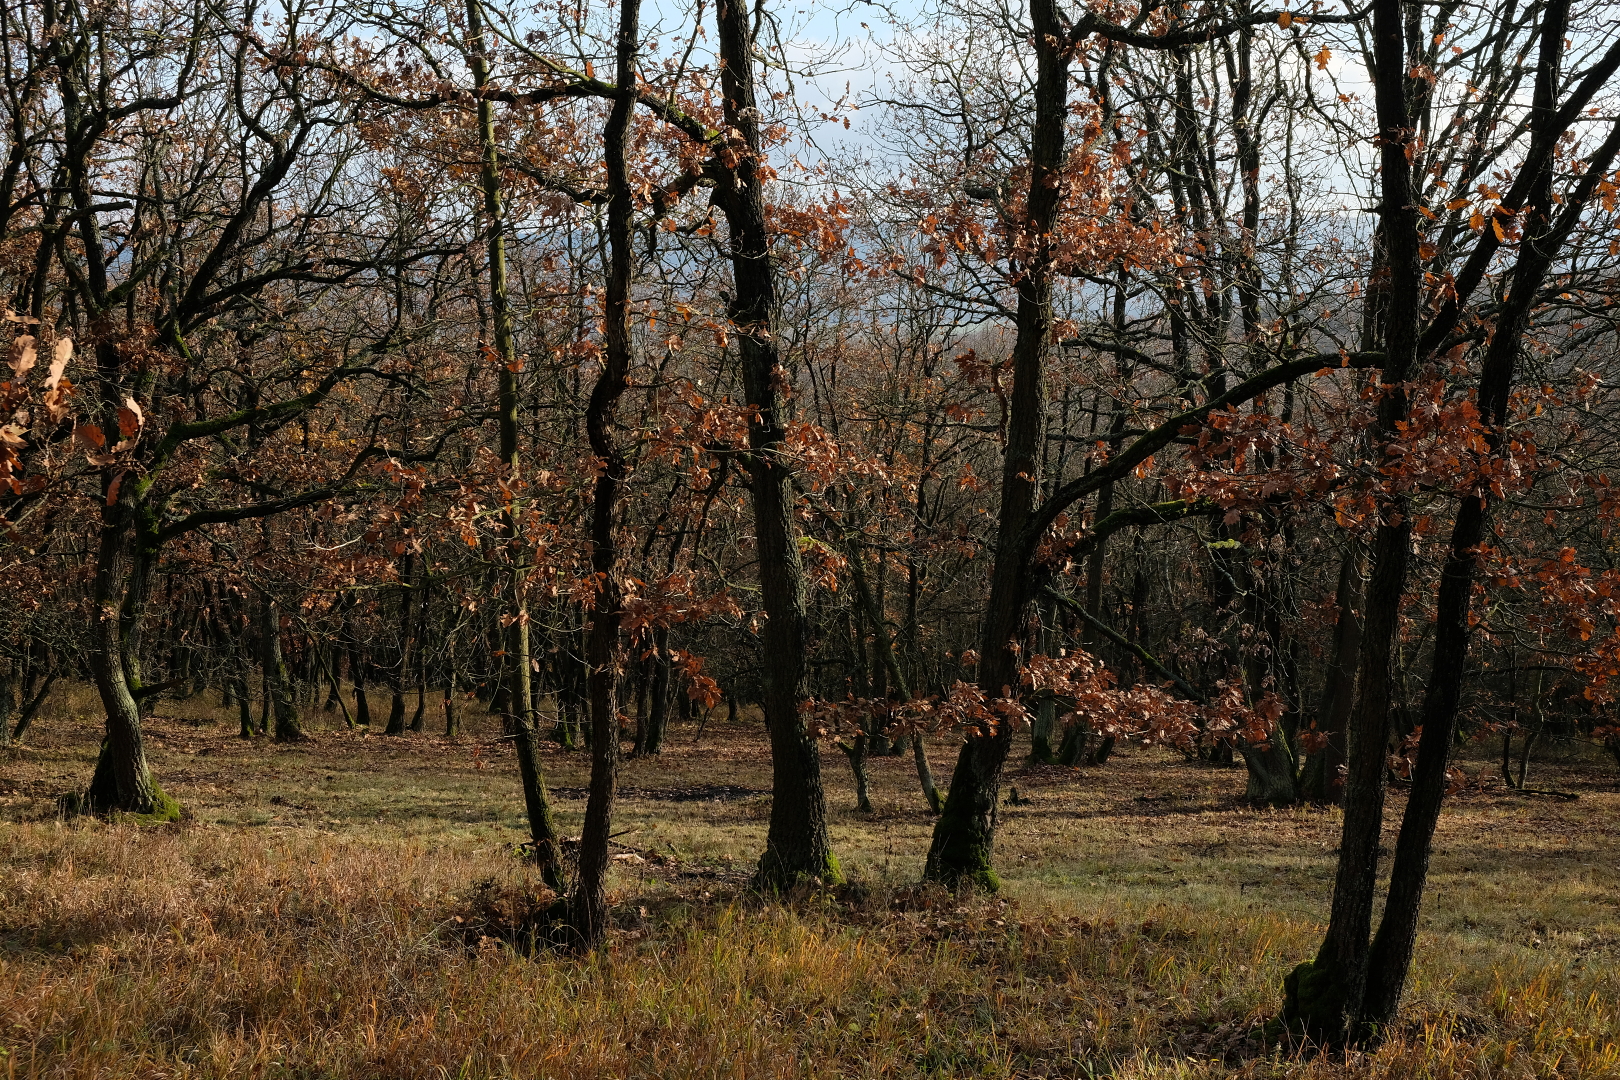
(1391, 955)
(1351, 990)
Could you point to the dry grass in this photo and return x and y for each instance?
(336, 909)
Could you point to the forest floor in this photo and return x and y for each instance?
(345, 907)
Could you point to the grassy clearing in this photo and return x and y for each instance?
(341, 908)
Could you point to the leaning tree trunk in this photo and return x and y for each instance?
(520, 716)
(797, 847)
(32, 703)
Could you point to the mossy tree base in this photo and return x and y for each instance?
(778, 875)
(1315, 1001)
(159, 808)
(960, 856)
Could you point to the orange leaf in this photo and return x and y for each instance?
(129, 418)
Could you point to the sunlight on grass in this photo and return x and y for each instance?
(318, 915)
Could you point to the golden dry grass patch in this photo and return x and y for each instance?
(317, 914)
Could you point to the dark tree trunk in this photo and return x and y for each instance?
(288, 728)
(964, 835)
(10, 686)
(334, 678)
(1321, 781)
(452, 714)
(399, 673)
(588, 907)
(1391, 955)
(1323, 997)
(31, 704)
(797, 847)
(362, 705)
(122, 781)
(652, 740)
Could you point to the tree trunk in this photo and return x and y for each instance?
(336, 694)
(1391, 954)
(288, 728)
(452, 715)
(520, 716)
(588, 906)
(9, 703)
(1040, 732)
(30, 707)
(897, 675)
(856, 752)
(122, 780)
(1321, 782)
(964, 835)
(652, 741)
(362, 706)
(1271, 771)
(797, 847)
(1323, 996)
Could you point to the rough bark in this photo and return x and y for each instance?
(965, 832)
(588, 907)
(797, 847)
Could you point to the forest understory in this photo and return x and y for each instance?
(353, 905)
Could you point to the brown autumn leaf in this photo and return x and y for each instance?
(24, 355)
(130, 418)
(59, 362)
(56, 402)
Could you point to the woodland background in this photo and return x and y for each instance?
(1090, 391)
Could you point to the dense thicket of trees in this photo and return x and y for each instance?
(1231, 377)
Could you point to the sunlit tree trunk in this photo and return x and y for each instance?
(542, 831)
